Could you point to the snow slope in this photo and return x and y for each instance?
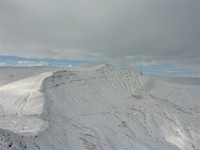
(20, 104)
(101, 109)
(11, 74)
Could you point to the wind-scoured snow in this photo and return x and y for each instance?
(106, 108)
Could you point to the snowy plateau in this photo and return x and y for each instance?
(103, 108)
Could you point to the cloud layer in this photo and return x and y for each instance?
(130, 32)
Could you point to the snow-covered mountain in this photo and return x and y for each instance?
(106, 108)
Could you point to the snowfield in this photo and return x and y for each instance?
(105, 108)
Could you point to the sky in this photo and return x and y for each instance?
(132, 32)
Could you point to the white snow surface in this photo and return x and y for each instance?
(106, 108)
(11, 74)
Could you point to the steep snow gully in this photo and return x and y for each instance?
(102, 109)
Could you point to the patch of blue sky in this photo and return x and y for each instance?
(161, 70)
(14, 61)
(169, 71)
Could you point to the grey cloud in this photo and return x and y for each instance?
(146, 31)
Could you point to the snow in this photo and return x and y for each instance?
(19, 101)
(105, 108)
(11, 74)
